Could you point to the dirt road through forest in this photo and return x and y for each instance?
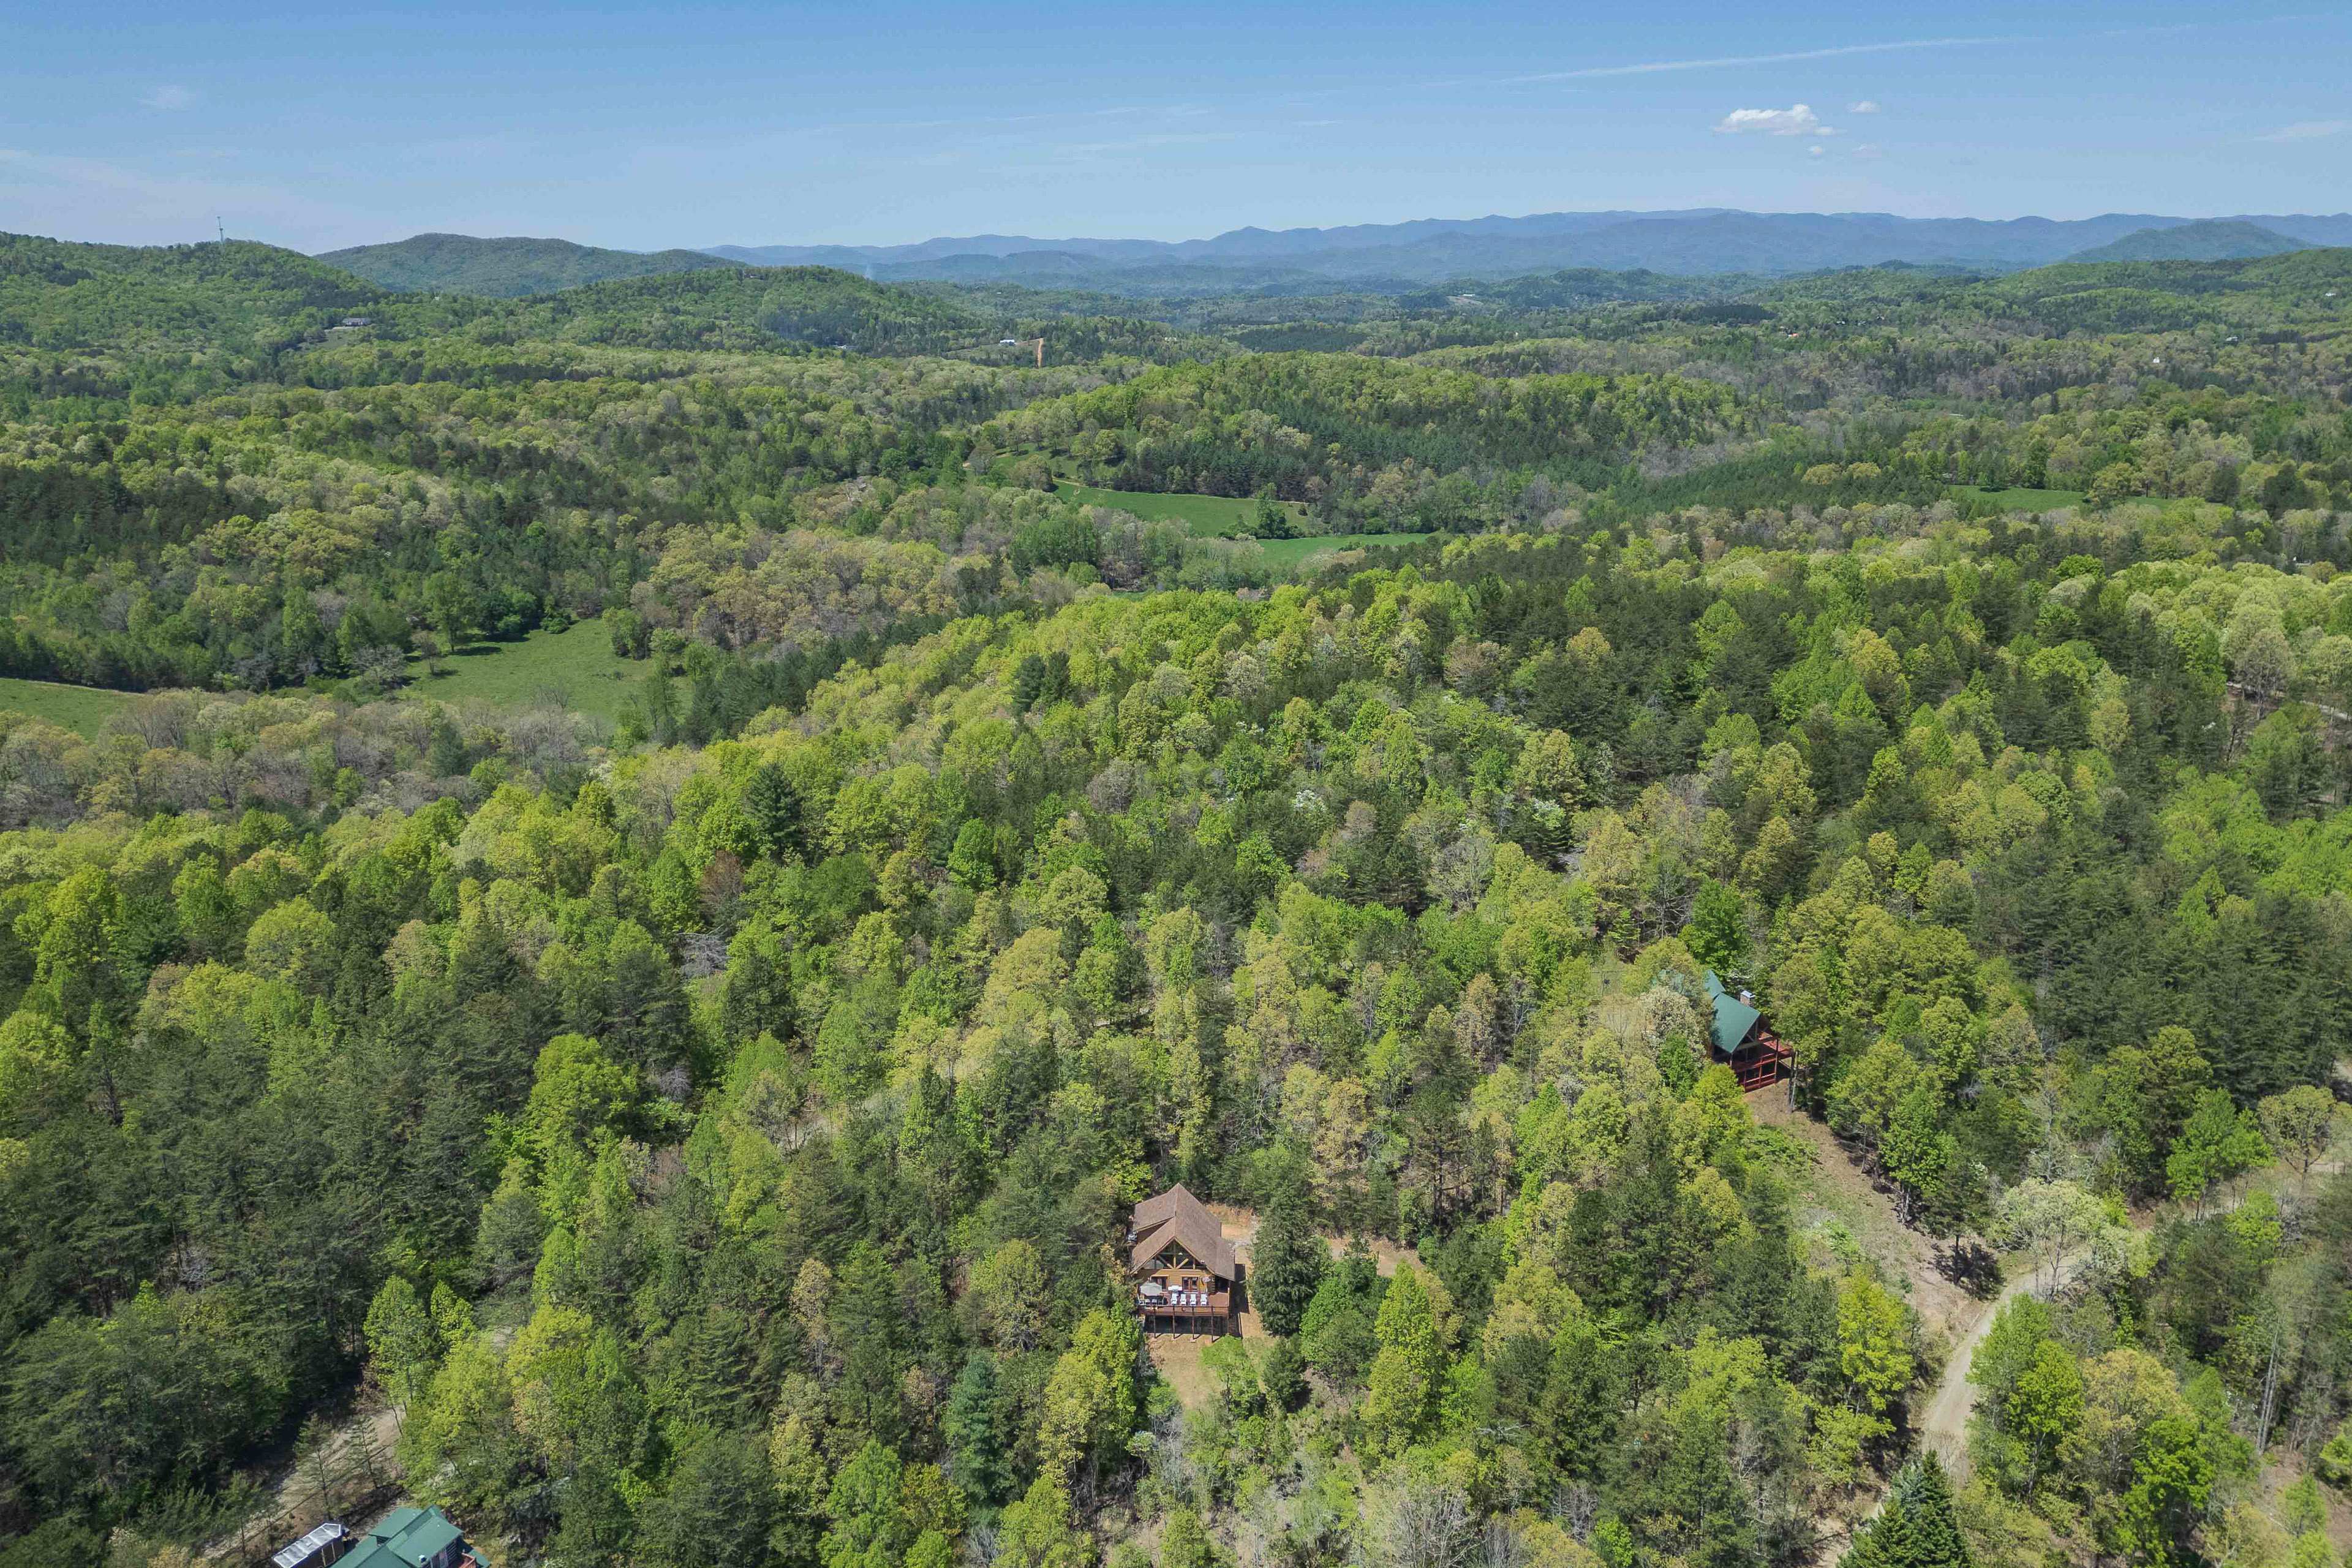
(1944, 1425)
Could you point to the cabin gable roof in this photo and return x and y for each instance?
(1176, 1215)
(1734, 1021)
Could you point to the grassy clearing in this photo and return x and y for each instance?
(81, 709)
(576, 664)
(1215, 517)
(1207, 516)
(2016, 500)
(1291, 552)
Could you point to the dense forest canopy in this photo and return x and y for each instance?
(503, 269)
(1336, 772)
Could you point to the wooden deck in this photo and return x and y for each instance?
(1204, 1313)
(1761, 1063)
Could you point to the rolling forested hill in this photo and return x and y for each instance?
(503, 269)
(200, 302)
(2211, 241)
(666, 862)
(187, 297)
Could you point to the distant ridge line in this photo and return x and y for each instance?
(1685, 241)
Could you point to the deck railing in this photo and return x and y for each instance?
(1188, 1307)
(1766, 1062)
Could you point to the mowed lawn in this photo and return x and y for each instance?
(573, 668)
(81, 709)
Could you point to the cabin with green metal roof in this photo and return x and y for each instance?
(1741, 1040)
(412, 1538)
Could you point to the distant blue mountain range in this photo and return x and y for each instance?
(1692, 241)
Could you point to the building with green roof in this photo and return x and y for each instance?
(1740, 1039)
(412, 1538)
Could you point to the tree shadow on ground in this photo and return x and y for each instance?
(1971, 1265)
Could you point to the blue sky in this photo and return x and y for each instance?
(888, 122)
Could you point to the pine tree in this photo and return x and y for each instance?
(756, 996)
(661, 706)
(1288, 1264)
(1273, 519)
(1936, 1538)
(445, 754)
(645, 1000)
(773, 806)
(1284, 1377)
(974, 1433)
(1580, 1403)
(1028, 683)
(1917, 1527)
(1695, 1508)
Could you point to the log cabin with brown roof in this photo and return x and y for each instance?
(1181, 1264)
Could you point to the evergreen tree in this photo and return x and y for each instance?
(445, 753)
(645, 1000)
(974, 1434)
(1934, 1526)
(1028, 682)
(1697, 1508)
(1916, 1527)
(718, 1508)
(1284, 1377)
(773, 806)
(1581, 1403)
(303, 645)
(755, 997)
(1289, 1261)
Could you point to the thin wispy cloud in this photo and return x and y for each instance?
(1719, 62)
(2309, 131)
(1866, 106)
(170, 97)
(1798, 120)
(1839, 52)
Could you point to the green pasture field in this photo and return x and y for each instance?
(81, 709)
(577, 663)
(1207, 516)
